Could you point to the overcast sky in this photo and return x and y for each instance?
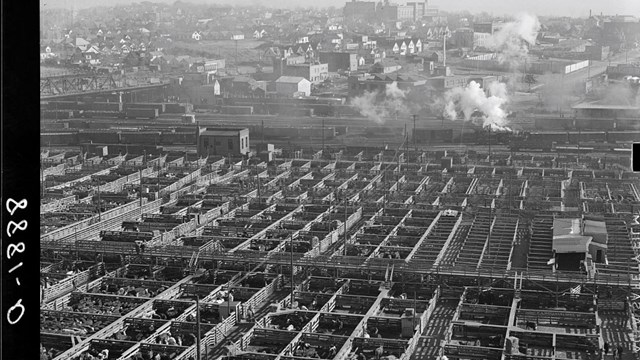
(497, 7)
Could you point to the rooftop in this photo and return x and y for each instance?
(290, 79)
(221, 131)
(596, 105)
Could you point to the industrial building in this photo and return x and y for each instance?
(293, 85)
(355, 9)
(297, 66)
(339, 61)
(223, 141)
(601, 110)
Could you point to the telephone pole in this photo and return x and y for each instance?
(415, 144)
(198, 351)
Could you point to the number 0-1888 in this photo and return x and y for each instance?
(15, 312)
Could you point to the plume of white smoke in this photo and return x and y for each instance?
(509, 42)
(367, 107)
(394, 100)
(393, 91)
(393, 103)
(471, 98)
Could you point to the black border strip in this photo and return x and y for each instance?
(20, 178)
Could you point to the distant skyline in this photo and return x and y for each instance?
(575, 8)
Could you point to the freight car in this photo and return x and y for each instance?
(541, 145)
(101, 106)
(206, 108)
(140, 137)
(58, 138)
(100, 137)
(102, 114)
(428, 136)
(575, 137)
(174, 138)
(172, 108)
(627, 124)
(141, 113)
(313, 100)
(623, 136)
(58, 114)
(556, 136)
(158, 106)
(78, 124)
(323, 110)
(316, 133)
(296, 111)
(236, 110)
(62, 105)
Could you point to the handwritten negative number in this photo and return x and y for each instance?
(15, 313)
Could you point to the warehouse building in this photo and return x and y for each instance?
(293, 85)
(223, 141)
(339, 61)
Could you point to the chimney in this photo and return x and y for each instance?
(444, 50)
(589, 13)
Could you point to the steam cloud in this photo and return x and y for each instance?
(472, 98)
(509, 42)
(394, 103)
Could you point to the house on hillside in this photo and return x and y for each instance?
(259, 34)
(237, 35)
(82, 44)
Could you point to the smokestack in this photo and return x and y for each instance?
(444, 50)
(589, 13)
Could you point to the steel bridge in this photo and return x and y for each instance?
(56, 87)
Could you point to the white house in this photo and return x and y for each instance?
(259, 34)
(289, 85)
(93, 49)
(196, 36)
(82, 44)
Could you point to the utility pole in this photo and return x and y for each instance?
(259, 193)
(406, 144)
(237, 67)
(99, 204)
(490, 141)
(415, 144)
(444, 50)
(345, 224)
(322, 137)
(198, 355)
(293, 285)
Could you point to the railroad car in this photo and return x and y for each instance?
(141, 113)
